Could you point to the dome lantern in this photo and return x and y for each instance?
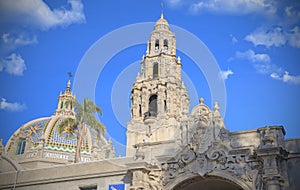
(66, 100)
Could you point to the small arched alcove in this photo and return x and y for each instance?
(153, 105)
(156, 45)
(165, 44)
(207, 183)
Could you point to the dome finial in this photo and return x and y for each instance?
(162, 9)
(201, 100)
(68, 89)
(216, 106)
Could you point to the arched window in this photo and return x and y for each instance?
(140, 110)
(21, 146)
(155, 70)
(153, 105)
(149, 47)
(165, 44)
(156, 45)
(61, 105)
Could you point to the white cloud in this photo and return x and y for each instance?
(224, 74)
(291, 12)
(14, 107)
(294, 37)
(286, 77)
(261, 62)
(236, 6)
(13, 64)
(253, 57)
(38, 13)
(12, 41)
(234, 40)
(275, 37)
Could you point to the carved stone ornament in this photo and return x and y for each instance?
(218, 158)
(146, 179)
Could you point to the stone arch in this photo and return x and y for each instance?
(190, 181)
(156, 45)
(153, 105)
(166, 44)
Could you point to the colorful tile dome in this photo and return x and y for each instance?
(40, 140)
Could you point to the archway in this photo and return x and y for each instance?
(208, 183)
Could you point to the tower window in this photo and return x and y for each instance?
(140, 110)
(165, 105)
(165, 44)
(156, 45)
(21, 147)
(61, 105)
(155, 70)
(153, 105)
(149, 46)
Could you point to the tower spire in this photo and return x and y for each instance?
(162, 9)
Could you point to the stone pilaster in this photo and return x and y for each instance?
(273, 156)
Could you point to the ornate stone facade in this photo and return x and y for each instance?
(159, 98)
(189, 147)
(168, 148)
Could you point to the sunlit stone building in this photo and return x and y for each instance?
(167, 146)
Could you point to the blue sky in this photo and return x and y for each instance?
(256, 45)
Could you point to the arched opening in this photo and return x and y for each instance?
(156, 45)
(153, 105)
(149, 47)
(140, 110)
(165, 44)
(208, 183)
(155, 70)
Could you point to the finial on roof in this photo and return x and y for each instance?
(216, 106)
(68, 88)
(201, 100)
(162, 9)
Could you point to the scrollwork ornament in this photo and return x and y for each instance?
(188, 156)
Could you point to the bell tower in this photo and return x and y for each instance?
(159, 98)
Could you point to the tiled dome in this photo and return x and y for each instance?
(40, 139)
